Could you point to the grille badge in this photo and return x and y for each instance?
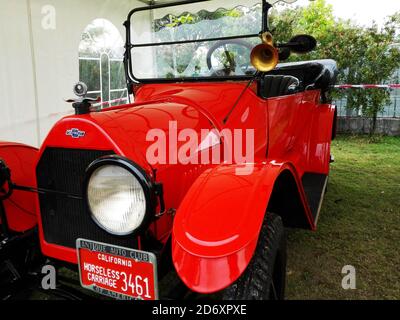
(75, 133)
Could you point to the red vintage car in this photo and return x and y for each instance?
(220, 148)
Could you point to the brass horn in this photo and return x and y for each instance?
(265, 56)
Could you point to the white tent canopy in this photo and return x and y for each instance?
(39, 60)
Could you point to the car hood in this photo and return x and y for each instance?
(129, 131)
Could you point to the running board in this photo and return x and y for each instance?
(315, 187)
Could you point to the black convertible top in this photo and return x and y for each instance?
(314, 74)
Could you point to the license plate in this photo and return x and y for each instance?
(117, 272)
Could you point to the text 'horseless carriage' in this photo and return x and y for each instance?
(219, 150)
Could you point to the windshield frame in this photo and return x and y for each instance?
(130, 77)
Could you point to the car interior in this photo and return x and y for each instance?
(293, 77)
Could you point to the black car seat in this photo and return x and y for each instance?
(315, 74)
(279, 85)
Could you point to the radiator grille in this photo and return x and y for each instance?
(65, 220)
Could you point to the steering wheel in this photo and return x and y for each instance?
(224, 43)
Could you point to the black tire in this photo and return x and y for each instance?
(265, 277)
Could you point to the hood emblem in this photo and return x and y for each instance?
(75, 133)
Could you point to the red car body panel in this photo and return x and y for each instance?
(20, 207)
(123, 131)
(219, 214)
(212, 243)
(318, 158)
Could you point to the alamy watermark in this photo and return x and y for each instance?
(349, 280)
(210, 146)
(49, 17)
(49, 280)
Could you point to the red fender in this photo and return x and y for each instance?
(217, 225)
(20, 208)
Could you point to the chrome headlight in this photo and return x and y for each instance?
(118, 195)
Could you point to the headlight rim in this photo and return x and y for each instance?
(139, 174)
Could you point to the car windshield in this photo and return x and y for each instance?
(197, 39)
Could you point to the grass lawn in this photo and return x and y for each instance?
(359, 225)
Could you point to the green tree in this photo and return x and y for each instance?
(364, 55)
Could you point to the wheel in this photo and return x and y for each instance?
(265, 277)
(20, 258)
(232, 63)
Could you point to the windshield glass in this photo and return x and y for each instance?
(196, 40)
(190, 40)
